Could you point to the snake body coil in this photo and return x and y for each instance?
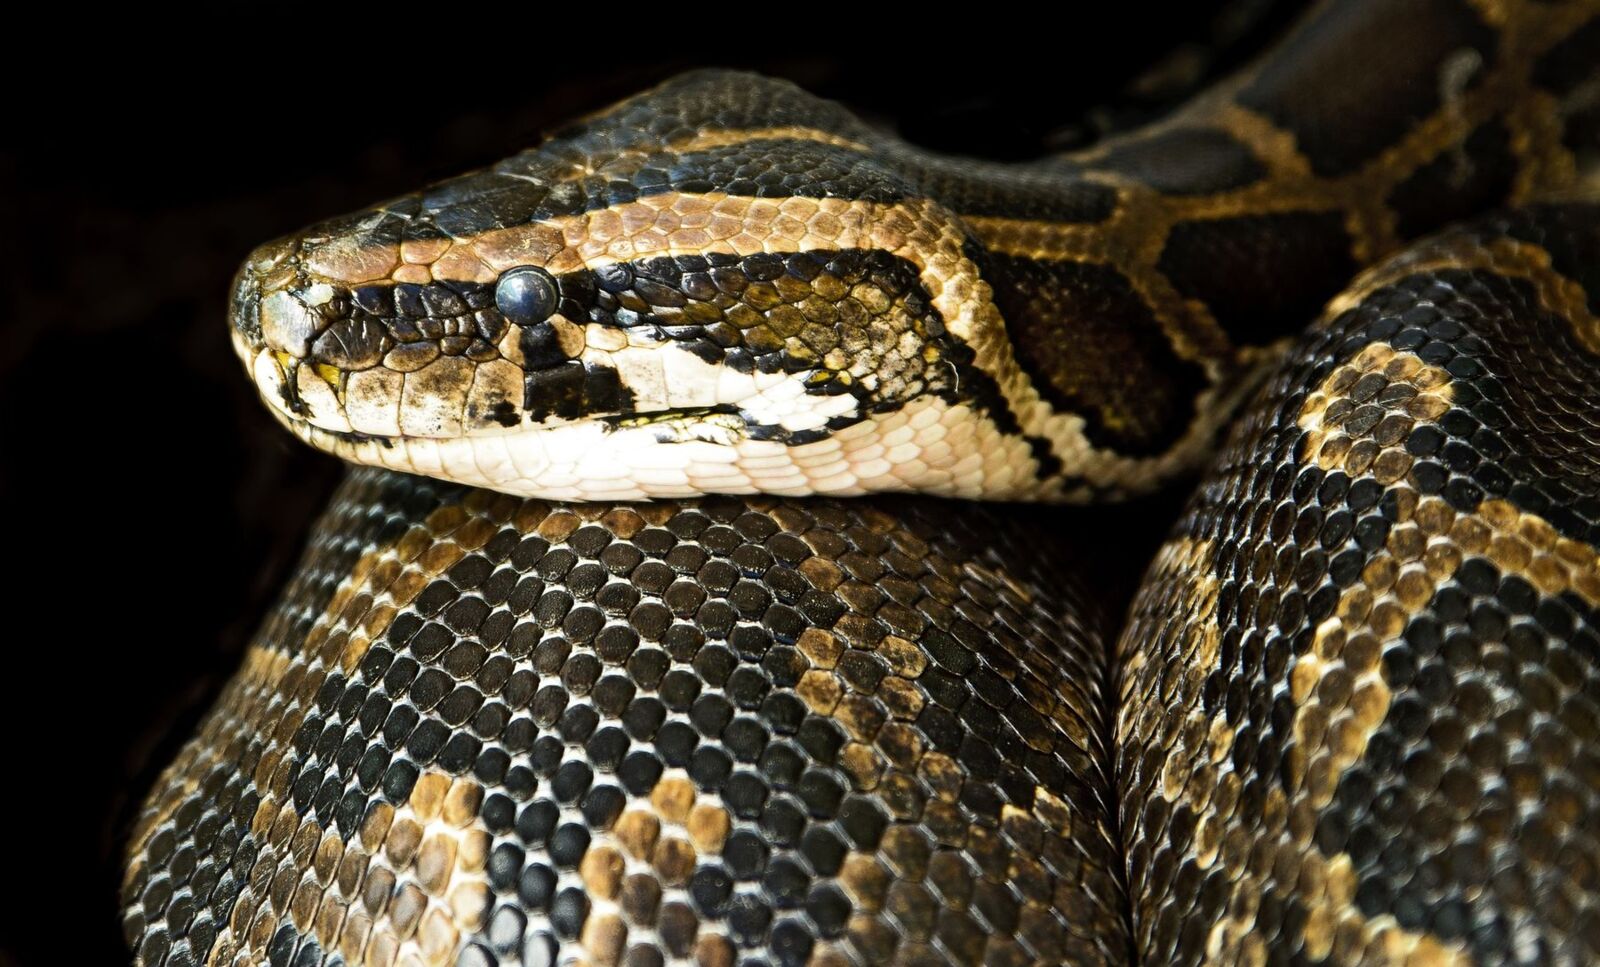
(1353, 715)
(1361, 684)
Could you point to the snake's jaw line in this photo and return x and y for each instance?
(926, 446)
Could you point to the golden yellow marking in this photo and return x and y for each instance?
(1185, 617)
(918, 784)
(1338, 687)
(637, 831)
(1196, 771)
(1429, 537)
(337, 379)
(1325, 443)
(602, 870)
(286, 364)
(408, 888)
(1044, 240)
(1272, 146)
(706, 140)
(651, 851)
(381, 583)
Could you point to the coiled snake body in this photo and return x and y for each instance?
(1352, 715)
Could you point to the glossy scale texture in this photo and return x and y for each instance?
(1362, 689)
(482, 730)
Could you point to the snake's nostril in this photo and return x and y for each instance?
(262, 311)
(244, 309)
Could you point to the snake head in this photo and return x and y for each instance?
(621, 312)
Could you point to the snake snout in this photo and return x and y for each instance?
(268, 268)
(244, 310)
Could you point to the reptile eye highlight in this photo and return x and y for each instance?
(526, 296)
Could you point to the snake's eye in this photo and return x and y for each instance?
(526, 296)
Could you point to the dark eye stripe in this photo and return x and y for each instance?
(526, 295)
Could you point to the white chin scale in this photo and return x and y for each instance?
(927, 446)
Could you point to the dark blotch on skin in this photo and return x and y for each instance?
(1262, 276)
(1093, 347)
(351, 344)
(1049, 464)
(554, 392)
(572, 391)
(505, 414)
(1186, 161)
(540, 347)
(1457, 183)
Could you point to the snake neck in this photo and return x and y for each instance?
(1169, 263)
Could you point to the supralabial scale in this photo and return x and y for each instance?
(1352, 715)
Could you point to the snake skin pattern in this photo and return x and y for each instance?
(1353, 718)
(1360, 708)
(728, 285)
(482, 730)
(1353, 714)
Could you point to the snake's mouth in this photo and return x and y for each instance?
(319, 358)
(310, 399)
(711, 424)
(457, 399)
(675, 452)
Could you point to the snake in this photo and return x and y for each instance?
(648, 632)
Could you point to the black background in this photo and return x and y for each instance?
(152, 507)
